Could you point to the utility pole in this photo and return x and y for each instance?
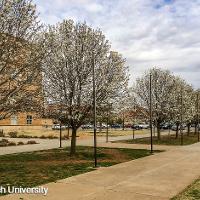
(150, 110)
(94, 111)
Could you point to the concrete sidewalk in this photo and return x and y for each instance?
(44, 144)
(157, 177)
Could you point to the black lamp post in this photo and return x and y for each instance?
(181, 128)
(60, 137)
(94, 111)
(107, 125)
(150, 110)
(134, 116)
(109, 107)
(197, 109)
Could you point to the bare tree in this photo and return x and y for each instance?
(73, 48)
(21, 53)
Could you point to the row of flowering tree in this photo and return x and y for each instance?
(60, 59)
(59, 62)
(173, 99)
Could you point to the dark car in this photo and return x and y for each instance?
(128, 126)
(166, 126)
(116, 126)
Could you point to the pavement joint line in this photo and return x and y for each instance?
(150, 195)
(140, 193)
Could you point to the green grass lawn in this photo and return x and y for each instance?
(190, 193)
(36, 168)
(165, 140)
(113, 132)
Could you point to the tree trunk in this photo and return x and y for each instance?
(100, 127)
(73, 142)
(177, 127)
(154, 130)
(188, 129)
(195, 129)
(123, 123)
(158, 130)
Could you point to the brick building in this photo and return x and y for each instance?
(28, 103)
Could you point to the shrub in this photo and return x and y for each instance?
(11, 144)
(52, 137)
(1, 133)
(4, 140)
(24, 136)
(20, 143)
(66, 137)
(3, 144)
(43, 137)
(32, 142)
(13, 134)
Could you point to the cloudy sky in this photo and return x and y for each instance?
(163, 33)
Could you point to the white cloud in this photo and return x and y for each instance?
(94, 7)
(147, 32)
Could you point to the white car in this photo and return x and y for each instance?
(145, 126)
(174, 127)
(87, 126)
(57, 127)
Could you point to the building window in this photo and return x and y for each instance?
(29, 119)
(14, 120)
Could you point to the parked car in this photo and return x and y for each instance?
(57, 127)
(128, 126)
(87, 126)
(166, 126)
(116, 126)
(103, 126)
(174, 127)
(136, 127)
(143, 126)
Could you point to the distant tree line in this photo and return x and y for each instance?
(62, 59)
(173, 99)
